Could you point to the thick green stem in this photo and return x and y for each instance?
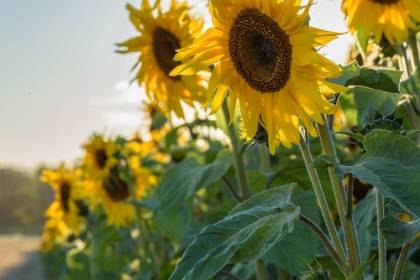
(350, 186)
(341, 199)
(322, 201)
(401, 260)
(415, 51)
(381, 239)
(260, 270)
(238, 163)
(406, 67)
(264, 158)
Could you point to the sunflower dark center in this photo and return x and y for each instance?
(116, 188)
(65, 196)
(385, 2)
(165, 45)
(100, 158)
(260, 51)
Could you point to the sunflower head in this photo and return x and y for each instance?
(100, 157)
(265, 54)
(68, 194)
(161, 34)
(114, 192)
(390, 18)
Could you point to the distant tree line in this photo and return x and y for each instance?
(23, 199)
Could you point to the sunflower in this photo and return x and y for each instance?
(266, 55)
(113, 192)
(50, 235)
(68, 193)
(160, 35)
(393, 18)
(99, 158)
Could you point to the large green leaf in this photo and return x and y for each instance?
(380, 79)
(291, 254)
(246, 234)
(397, 232)
(174, 210)
(391, 164)
(368, 100)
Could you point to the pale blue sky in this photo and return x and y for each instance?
(60, 79)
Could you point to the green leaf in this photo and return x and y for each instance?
(391, 164)
(291, 254)
(256, 180)
(357, 274)
(411, 86)
(397, 232)
(380, 79)
(367, 100)
(364, 218)
(173, 212)
(246, 234)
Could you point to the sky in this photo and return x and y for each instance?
(61, 80)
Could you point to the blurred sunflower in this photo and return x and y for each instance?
(68, 191)
(392, 18)
(113, 192)
(266, 56)
(99, 158)
(160, 35)
(50, 234)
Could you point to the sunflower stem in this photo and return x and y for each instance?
(264, 158)
(260, 270)
(340, 199)
(238, 162)
(403, 61)
(415, 51)
(401, 260)
(322, 201)
(381, 239)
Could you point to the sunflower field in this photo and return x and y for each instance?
(259, 157)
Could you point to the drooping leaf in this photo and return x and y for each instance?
(391, 164)
(397, 232)
(357, 274)
(380, 79)
(291, 254)
(174, 210)
(246, 234)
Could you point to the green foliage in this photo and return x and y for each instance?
(173, 212)
(248, 232)
(291, 254)
(379, 79)
(368, 100)
(411, 86)
(386, 151)
(358, 273)
(364, 220)
(397, 232)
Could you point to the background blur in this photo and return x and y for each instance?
(60, 80)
